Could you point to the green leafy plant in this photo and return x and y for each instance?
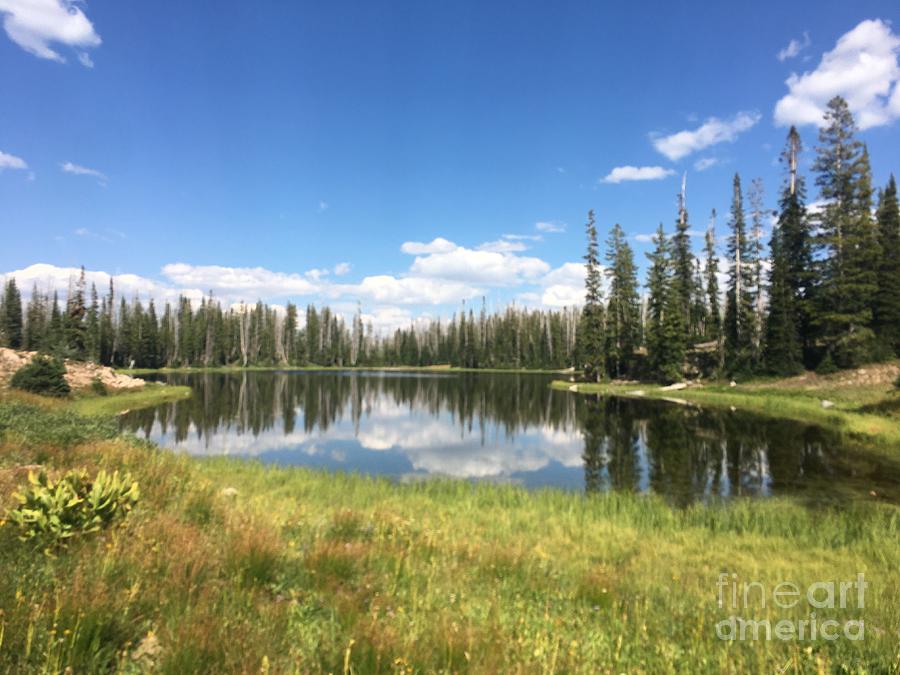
(44, 375)
(57, 510)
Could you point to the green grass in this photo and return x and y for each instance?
(865, 412)
(150, 395)
(305, 571)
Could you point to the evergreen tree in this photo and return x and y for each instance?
(623, 311)
(591, 326)
(796, 243)
(887, 299)
(11, 321)
(782, 354)
(848, 240)
(76, 334)
(665, 328)
(711, 272)
(739, 306)
(683, 267)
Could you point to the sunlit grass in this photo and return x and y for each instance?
(305, 571)
(867, 412)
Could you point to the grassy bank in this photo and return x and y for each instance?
(867, 411)
(137, 372)
(302, 571)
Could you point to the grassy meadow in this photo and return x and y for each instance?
(230, 566)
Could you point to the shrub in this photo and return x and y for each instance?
(54, 511)
(98, 387)
(44, 375)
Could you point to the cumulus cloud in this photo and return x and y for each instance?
(549, 227)
(8, 161)
(478, 266)
(438, 245)
(862, 68)
(794, 47)
(563, 286)
(78, 170)
(342, 268)
(711, 132)
(50, 278)
(629, 173)
(387, 289)
(239, 282)
(34, 25)
(705, 163)
(503, 245)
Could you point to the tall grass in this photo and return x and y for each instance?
(303, 571)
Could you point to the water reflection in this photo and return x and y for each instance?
(498, 427)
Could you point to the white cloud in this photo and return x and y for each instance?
(705, 163)
(8, 161)
(51, 278)
(523, 237)
(342, 268)
(628, 173)
(862, 68)
(242, 283)
(643, 238)
(549, 227)
(437, 245)
(323, 206)
(711, 132)
(794, 47)
(503, 245)
(78, 170)
(387, 289)
(36, 24)
(475, 266)
(564, 286)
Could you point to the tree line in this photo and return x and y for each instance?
(116, 332)
(827, 297)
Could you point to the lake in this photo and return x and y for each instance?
(507, 428)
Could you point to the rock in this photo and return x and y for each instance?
(827, 404)
(732, 384)
(674, 387)
(79, 375)
(229, 492)
(733, 409)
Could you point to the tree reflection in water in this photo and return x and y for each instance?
(502, 427)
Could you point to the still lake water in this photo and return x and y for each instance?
(506, 428)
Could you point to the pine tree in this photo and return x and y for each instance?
(683, 266)
(711, 272)
(756, 265)
(623, 310)
(847, 240)
(76, 334)
(591, 326)
(665, 327)
(796, 243)
(782, 354)
(11, 317)
(887, 299)
(739, 306)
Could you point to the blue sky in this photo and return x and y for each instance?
(315, 151)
